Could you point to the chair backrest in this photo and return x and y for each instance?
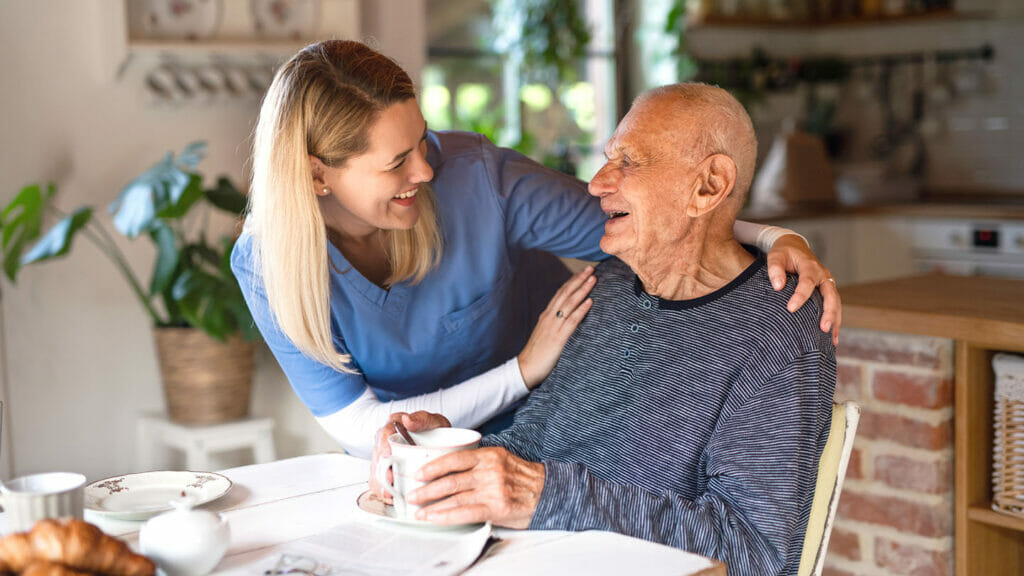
(831, 472)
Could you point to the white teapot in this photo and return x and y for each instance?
(185, 542)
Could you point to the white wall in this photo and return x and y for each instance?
(397, 28)
(80, 362)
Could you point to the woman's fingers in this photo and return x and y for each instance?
(777, 261)
(832, 317)
(570, 294)
(804, 289)
(383, 448)
(579, 292)
(572, 321)
(555, 325)
(790, 254)
(422, 420)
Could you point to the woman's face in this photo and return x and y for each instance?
(378, 189)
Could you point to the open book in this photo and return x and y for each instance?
(372, 548)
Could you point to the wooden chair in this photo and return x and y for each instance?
(831, 472)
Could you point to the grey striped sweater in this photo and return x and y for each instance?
(697, 424)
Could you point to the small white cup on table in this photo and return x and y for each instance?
(29, 499)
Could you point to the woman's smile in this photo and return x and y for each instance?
(406, 198)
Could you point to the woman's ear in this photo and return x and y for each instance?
(318, 169)
(717, 177)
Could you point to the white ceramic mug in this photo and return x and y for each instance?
(406, 460)
(29, 499)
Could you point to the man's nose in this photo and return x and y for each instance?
(604, 182)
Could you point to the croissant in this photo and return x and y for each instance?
(44, 568)
(15, 552)
(76, 545)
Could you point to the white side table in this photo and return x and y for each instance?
(200, 441)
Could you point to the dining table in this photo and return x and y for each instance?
(306, 508)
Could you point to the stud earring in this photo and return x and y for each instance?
(327, 191)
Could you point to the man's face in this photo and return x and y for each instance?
(646, 183)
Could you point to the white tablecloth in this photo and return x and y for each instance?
(270, 505)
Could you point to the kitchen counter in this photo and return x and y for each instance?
(1005, 210)
(982, 317)
(969, 308)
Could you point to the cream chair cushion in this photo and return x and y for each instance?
(831, 472)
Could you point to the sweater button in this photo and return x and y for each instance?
(634, 328)
(645, 304)
(626, 354)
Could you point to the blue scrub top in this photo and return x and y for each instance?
(475, 310)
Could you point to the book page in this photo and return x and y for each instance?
(371, 548)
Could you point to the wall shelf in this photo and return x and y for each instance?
(238, 47)
(235, 35)
(811, 25)
(993, 518)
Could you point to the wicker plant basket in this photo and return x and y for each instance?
(1008, 436)
(206, 381)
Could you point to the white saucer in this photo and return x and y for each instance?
(146, 494)
(375, 508)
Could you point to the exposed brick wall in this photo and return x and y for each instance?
(896, 511)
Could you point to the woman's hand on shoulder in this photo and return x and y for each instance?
(791, 254)
(557, 322)
(415, 422)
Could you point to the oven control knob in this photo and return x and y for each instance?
(957, 239)
(1020, 241)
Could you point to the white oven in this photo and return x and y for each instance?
(969, 247)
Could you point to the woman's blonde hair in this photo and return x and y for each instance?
(322, 102)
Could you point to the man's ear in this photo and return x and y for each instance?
(716, 179)
(318, 169)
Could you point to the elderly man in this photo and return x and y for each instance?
(690, 408)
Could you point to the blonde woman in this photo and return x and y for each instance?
(392, 269)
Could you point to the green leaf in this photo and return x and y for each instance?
(22, 221)
(193, 153)
(674, 21)
(200, 297)
(57, 242)
(135, 209)
(174, 315)
(163, 191)
(200, 255)
(167, 258)
(226, 197)
(243, 319)
(181, 199)
(187, 293)
(226, 245)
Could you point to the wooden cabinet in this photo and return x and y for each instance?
(882, 248)
(859, 249)
(983, 316)
(832, 241)
(987, 541)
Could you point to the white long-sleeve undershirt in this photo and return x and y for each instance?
(466, 405)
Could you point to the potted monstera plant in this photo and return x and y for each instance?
(203, 331)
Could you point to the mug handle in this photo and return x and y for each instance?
(383, 465)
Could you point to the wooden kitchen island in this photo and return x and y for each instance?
(982, 316)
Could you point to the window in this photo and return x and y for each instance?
(469, 85)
